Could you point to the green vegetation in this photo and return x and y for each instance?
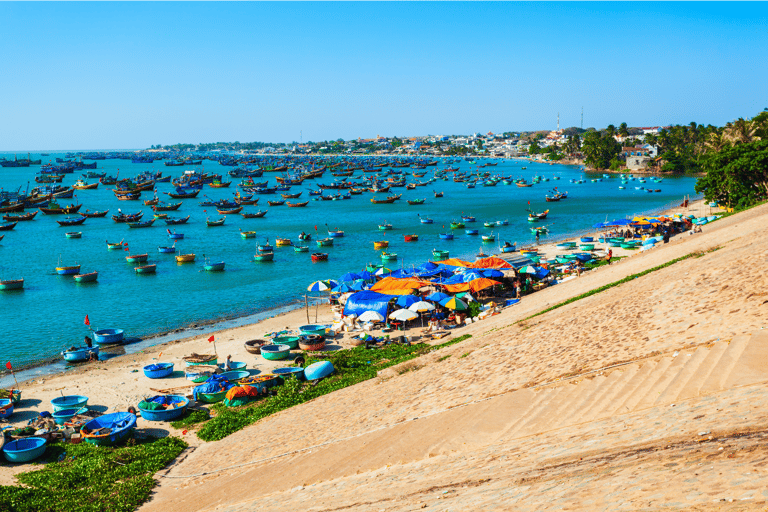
(351, 367)
(87, 478)
(736, 175)
(600, 149)
(191, 417)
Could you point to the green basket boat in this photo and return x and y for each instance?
(291, 341)
(198, 359)
(587, 247)
(211, 398)
(440, 255)
(389, 256)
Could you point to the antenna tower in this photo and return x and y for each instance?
(582, 118)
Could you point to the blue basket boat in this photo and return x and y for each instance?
(318, 370)
(24, 450)
(80, 354)
(275, 352)
(291, 341)
(69, 402)
(446, 236)
(110, 429)
(64, 415)
(158, 370)
(233, 365)
(318, 329)
(235, 375)
(108, 336)
(179, 405)
(298, 372)
(6, 407)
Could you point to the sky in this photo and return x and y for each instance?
(129, 75)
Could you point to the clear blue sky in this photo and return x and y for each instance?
(129, 75)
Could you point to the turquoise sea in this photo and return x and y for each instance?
(47, 316)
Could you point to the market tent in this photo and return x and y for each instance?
(490, 262)
(360, 302)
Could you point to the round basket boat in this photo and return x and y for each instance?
(13, 394)
(318, 370)
(275, 352)
(254, 346)
(291, 341)
(311, 342)
(64, 415)
(108, 336)
(236, 375)
(24, 450)
(158, 370)
(69, 402)
(587, 247)
(200, 373)
(233, 365)
(179, 405)
(261, 382)
(211, 398)
(318, 329)
(284, 373)
(196, 359)
(6, 407)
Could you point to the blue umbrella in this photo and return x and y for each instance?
(600, 225)
(406, 300)
(342, 288)
(317, 286)
(491, 273)
(366, 275)
(619, 222)
(357, 284)
(437, 296)
(349, 276)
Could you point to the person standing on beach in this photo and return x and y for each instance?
(537, 236)
(610, 255)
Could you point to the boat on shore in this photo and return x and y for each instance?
(79, 354)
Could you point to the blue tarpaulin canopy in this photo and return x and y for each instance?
(360, 302)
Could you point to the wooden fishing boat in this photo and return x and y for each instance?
(214, 223)
(507, 247)
(185, 258)
(381, 244)
(109, 429)
(301, 248)
(145, 224)
(457, 225)
(12, 284)
(297, 205)
(389, 256)
(183, 195)
(146, 269)
(305, 236)
(438, 194)
(470, 231)
(86, 278)
(282, 242)
(82, 185)
(124, 218)
(411, 238)
(162, 207)
(71, 234)
(175, 236)
(15, 207)
(248, 234)
(71, 221)
(152, 202)
(214, 267)
(115, 246)
(291, 196)
(489, 238)
(219, 184)
(264, 256)
(416, 201)
(231, 211)
(335, 234)
(256, 215)
(385, 227)
(76, 355)
(20, 217)
(389, 200)
(137, 258)
(319, 256)
(54, 209)
(523, 184)
(275, 203)
(254, 346)
(167, 250)
(325, 242)
(129, 196)
(7, 227)
(68, 271)
(90, 215)
(174, 222)
(265, 247)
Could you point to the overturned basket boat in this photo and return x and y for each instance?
(195, 359)
(254, 346)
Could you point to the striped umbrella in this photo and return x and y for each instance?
(454, 303)
(317, 286)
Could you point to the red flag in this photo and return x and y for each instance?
(529, 202)
(87, 321)
(211, 338)
(126, 248)
(8, 365)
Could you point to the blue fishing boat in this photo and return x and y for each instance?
(470, 231)
(75, 355)
(214, 267)
(163, 408)
(158, 370)
(446, 236)
(145, 224)
(24, 450)
(110, 429)
(108, 336)
(167, 250)
(68, 271)
(318, 370)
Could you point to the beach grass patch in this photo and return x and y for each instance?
(191, 417)
(87, 478)
(350, 367)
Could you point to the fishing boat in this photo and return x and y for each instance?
(507, 247)
(305, 236)
(264, 256)
(416, 201)
(128, 196)
(90, 215)
(389, 200)
(167, 250)
(86, 278)
(389, 256)
(489, 224)
(184, 194)
(54, 209)
(275, 203)
(439, 255)
(78, 354)
(163, 207)
(152, 202)
(335, 234)
(146, 269)
(173, 222)
(83, 185)
(247, 234)
(325, 242)
(457, 225)
(297, 205)
(382, 244)
(471, 231)
(468, 218)
(185, 258)
(68, 271)
(446, 236)
(411, 238)
(213, 267)
(265, 247)
(319, 256)
(20, 217)
(502, 222)
(175, 235)
(301, 248)
(489, 238)
(71, 221)
(71, 234)
(137, 258)
(131, 217)
(219, 184)
(12, 284)
(109, 429)
(7, 227)
(145, 224)
(116, 245)
(230, 211)
(256, 215)
(438, 194)
(541, 230)
(283, 242)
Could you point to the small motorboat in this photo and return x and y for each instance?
(146, 269)
(185, 258)
(264, 256)
(74, 234)
(411, 238)
(446, 236)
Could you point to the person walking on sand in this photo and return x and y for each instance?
(610, 255)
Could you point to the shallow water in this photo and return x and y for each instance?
(48, 314)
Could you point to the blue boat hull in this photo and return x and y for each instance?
(80, 354)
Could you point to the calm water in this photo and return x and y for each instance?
(48, 314)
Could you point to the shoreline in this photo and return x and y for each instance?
(53, 367)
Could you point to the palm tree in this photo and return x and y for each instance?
(610, 130)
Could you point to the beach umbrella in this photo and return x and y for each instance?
(454, 303)
(437, 296)
(331, 283)
(466, 297)
(421, 306)
(371, 316)
(406, 300)
(349, 276)
(492, 273)
(528, 269)
(619, 222)
(357, 284)
(366, 275)
(317, 286)
(342, 288)
(600, 225)
(403, 315)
